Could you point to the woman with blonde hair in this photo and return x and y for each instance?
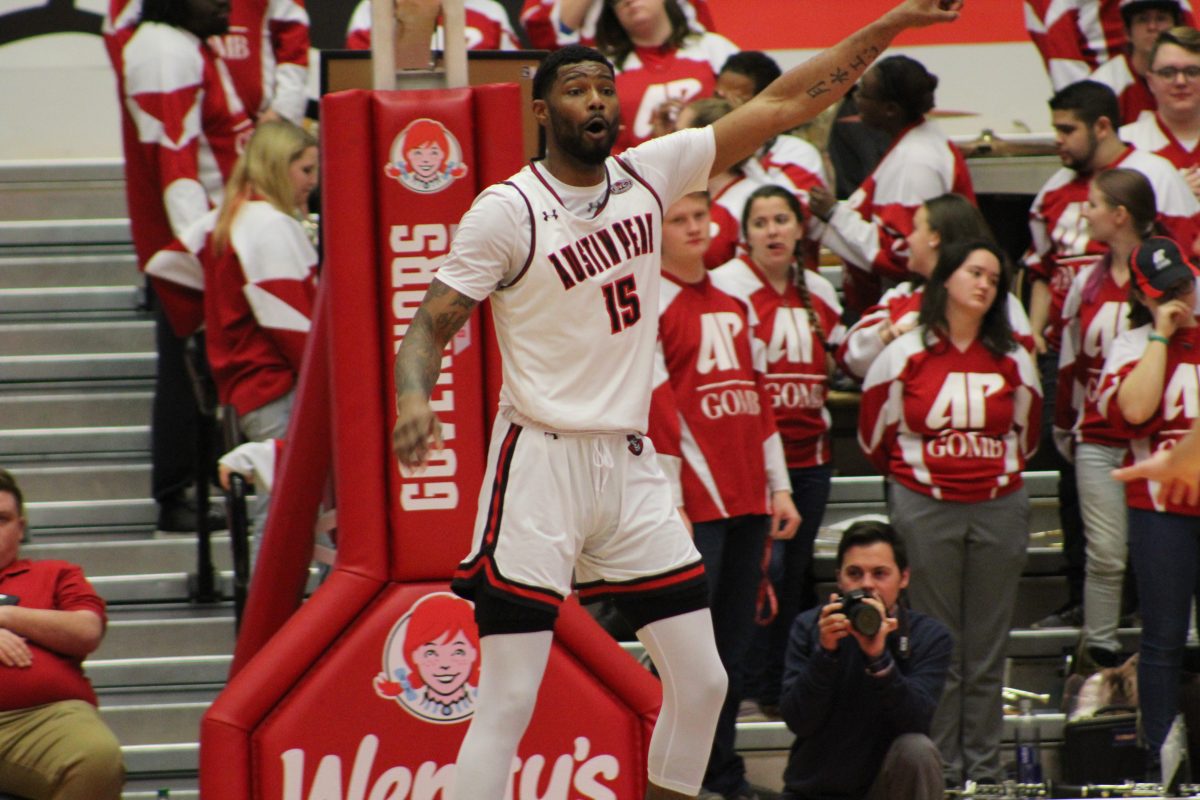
(257, 270)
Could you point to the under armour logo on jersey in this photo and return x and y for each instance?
(549, 215)
(594, 206)
(635, 444)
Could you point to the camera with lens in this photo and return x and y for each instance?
(864, 617)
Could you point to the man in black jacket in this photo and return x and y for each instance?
(860, 703)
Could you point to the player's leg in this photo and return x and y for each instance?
(694, 686)
(518, 574)
(511, 668)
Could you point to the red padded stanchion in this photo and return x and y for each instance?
(365, 692)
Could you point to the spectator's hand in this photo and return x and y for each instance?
(832, 624)
(662, 119)
(14, 652)
(223, 473)
(1179, 483)
(687, 523)
(785, 519)
(821, 201)
(1169, 315)
(417, 430)
(873, 646)
(1039, 342)
(1192, 176)
(889, 333)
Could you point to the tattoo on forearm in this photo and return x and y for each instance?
(845, 74)
(419, 360)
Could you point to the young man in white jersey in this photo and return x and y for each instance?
(568, 252)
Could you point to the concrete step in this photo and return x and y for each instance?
(62, 189)
(106, 558)
(98, 367)
(74, 409)
(154, 637)
(123, 514)
(59, 270)
(68, 299)
(157, 718)
(42, 232)
(66, 440)
(112, 673)
(94, 338)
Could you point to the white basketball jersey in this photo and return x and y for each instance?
(577, 325)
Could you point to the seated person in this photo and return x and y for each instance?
(53, 743)
(861, 706)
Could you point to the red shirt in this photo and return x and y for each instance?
(1090, 326)
(710, 414)
(952, 425)
(1178, 407)
(796, 372)
(53, 677)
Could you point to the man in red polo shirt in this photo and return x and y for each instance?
(53, 743)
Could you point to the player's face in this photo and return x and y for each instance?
(303, 174)
(207, 17)
(445, 663)
(923, 244)
(1178, 97)
(12, 529)
(772, 232)
(1075, 139)
(972, 288)
(1100, 216)
(686, 229)
(872, 567)
(734, 87)
(1145, 26)
(582, 111)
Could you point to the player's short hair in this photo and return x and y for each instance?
(869, 532)
(1088, 100)
(1180, 36)
(547, 71)
(1131, 7)
(755, 65)
(9, 484)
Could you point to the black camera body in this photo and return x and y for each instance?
(864, 617)
(9, 600)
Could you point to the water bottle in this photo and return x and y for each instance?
(1029, 752)
(163, 794)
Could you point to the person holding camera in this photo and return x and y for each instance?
(53, 743)
(861, 682)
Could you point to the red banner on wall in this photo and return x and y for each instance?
(811, 24)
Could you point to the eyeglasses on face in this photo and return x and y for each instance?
(1192, 72)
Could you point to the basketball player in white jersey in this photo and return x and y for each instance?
(568, 251)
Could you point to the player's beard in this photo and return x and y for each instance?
(572, 141)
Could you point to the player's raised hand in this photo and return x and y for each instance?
(921, 13)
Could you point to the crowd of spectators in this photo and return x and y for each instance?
(958, 382)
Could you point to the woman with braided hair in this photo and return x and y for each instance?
(799, 327)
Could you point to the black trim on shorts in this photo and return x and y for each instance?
(642, 609)
(498, 611)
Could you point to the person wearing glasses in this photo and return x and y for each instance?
(1173, 130)
(1126, 74)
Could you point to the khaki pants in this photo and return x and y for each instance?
(59, 751)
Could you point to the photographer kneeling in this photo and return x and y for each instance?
(861, 682)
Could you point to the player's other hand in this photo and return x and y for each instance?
(417, 431)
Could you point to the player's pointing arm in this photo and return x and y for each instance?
(808, 89)
(418, 363)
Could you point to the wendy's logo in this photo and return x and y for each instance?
(425, 157)
(431, 660)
